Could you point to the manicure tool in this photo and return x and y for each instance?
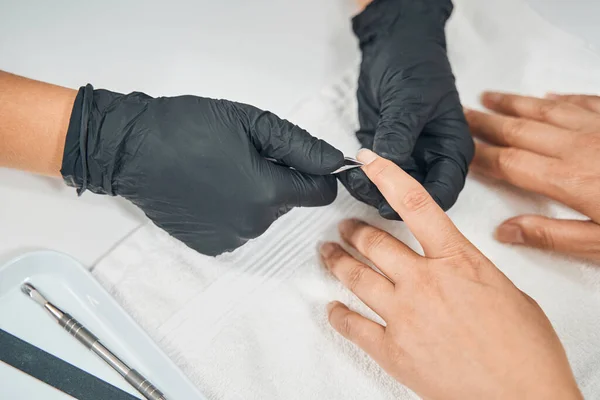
(349, 163)
(87, 338)
(55, 372)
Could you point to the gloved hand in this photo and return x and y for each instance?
(408, 106)
(195, 166)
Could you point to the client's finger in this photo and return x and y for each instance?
(521, 168)
(425, 219)
(519, 132)
(366, 334)
(577, 238)
(557, 113)
(589, 102)
(389, 254)
(375, 290)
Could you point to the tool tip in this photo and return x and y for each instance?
(32, 292)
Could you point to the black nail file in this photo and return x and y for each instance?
(55, 372)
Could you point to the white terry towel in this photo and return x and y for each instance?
(252, 324)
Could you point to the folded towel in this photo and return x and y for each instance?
(252, 324)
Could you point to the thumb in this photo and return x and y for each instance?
(292, 188)
(280, 139)
(572, 237)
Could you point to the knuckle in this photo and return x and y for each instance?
(355, 277)
(543, 237)
(471, 263)
(507, 159)
(373, 240)
(380, 169)
(545, 109)
(345, 326)
(513, 128)
(417, 200)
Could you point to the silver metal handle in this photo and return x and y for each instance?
(89, 340)
(77, 330)
(143, 386)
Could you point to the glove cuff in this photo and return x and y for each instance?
(91, 153)
(74, 163)
(383, 17)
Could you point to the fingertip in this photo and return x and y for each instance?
(490, 97)
(360, 186)
(366, 156)
(332, 306)
(304, 190)
(327, 249)
(332, 158)
(509, 233)
(387, 212)
(328, 188)
(348, 226)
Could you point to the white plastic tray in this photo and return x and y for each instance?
(66, 283)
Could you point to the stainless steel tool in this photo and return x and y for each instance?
(349, 163)
(89, 340)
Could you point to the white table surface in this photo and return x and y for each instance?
(265, 52)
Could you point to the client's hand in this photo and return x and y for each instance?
(549, 146)
(456, 327)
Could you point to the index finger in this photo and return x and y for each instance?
(280, 139)
(425, 219)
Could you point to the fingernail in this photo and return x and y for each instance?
(366, 156)
(492, 97)
(346, 227)
(551, 96)
(510, 233)
(331, 305)
(327, 249)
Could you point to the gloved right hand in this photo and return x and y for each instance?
(196, 166)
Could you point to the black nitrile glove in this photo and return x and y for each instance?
(408, 106)
(195, 166)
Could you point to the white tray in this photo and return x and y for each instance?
(66, 283)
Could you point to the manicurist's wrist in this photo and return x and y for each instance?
(381, 18)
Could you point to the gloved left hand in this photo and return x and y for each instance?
(408, 105)
(196, 166)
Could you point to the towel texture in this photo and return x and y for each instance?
(252, 324)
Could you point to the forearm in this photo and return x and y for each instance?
(34, 117)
